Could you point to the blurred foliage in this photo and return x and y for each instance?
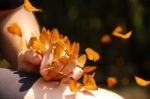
(86, 21)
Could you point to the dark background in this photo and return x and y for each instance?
(86, 21)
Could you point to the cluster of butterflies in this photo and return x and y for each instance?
(65, 51)
(117, 32)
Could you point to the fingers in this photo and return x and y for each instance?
(51, 72)
(45, 70)
(56, 70)
(29, 61)
(46, 73)
(66, 70)
(58, 67)
(47, 59)
(76, 74)
(69, 67)
(30, 56)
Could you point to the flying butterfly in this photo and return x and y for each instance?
(92, 55)
(28, 6)
(14, 29)
(111, 81)
(141, 81)
(81, 60)
(88, 69)
(105, 39)
(117, 32)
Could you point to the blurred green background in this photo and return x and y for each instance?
(86, 21)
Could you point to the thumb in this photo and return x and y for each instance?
(47, 59)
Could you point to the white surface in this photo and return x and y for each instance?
(52, 90)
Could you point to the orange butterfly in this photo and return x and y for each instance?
(117, 32)
(118, 29)
(55, 36)
(68, 45)
(81, 60)
(14, 29)
(88, 69)
(35, 44)
(45, 36)
(105, 39)
(59, 49)
(75, 49)
(89, 82)
(92, 55)
(141, 81)
(74, 86)
(111, 81)
(28, 6)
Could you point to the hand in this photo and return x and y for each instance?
(29, 61)
(58, 71)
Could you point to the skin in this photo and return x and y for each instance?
(27, 60)
(55, 90)
(27, 23)
(70, 69)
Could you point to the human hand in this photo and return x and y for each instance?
(58, 70)
(29, 61)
